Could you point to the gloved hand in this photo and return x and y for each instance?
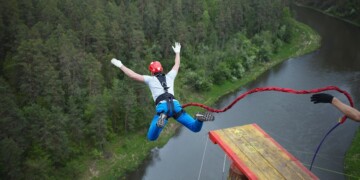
(116, 62)
(177, 47)
(321, 98)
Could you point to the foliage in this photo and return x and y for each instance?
(352, 158)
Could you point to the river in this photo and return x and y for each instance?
(292, 120)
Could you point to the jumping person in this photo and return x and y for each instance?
(349, 111)
(162, 90)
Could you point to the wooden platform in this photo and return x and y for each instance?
(257, 155)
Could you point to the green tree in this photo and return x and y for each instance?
(98, 40)
(165, 31)
(264, 41)
(39, 80)
(12, 141)
(38, 164)
(134, 35)
(221, 73)
(286, 30)
(95, 117)
(150, 22)
(10, 159)
(48, 133)
(10, 18)
(123, 119)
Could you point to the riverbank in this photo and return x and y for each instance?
(352, 160)
(124, 156)
(329, 14)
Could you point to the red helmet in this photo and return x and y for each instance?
(155, 67)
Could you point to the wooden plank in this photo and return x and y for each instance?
(276, 156)
(243, 149)
(257, 155)
(216, 139)
(295, 161)
(247, 154)
(254, 142)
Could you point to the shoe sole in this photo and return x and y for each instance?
(205, 117)
(161, 121)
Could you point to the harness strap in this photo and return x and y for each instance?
(168, 97)
(164, 96)
(178, 114)
(170, 105)
(175, 115)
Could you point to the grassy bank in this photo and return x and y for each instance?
(352, 158)
(125, 155)
(329, 14)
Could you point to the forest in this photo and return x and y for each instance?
(61, 99)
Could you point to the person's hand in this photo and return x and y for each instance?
(321, 98)
(177, 47)
(116, 62)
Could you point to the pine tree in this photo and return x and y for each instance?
(47, 131)
(12, 141)
(150, 22)
(10, 18)
(39, 81)
(96, 118)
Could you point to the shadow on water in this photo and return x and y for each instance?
(291, 120)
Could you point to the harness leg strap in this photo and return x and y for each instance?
(169, 106)
(178, 114)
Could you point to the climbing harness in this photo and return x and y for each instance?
(168, 97)
(285, 90)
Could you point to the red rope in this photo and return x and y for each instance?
(285, 90)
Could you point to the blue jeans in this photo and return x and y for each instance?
(185, 119)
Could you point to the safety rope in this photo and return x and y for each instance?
(203, 157)
(321, 142)
(223, 170)
(279, 89)
(285, 90)
(349, 176)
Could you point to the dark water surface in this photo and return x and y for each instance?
(291, 120)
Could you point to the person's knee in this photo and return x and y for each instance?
(196, 129)
(151, 138)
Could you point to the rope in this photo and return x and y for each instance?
(285, 90)
(335, 172)
(203, 157)
(318, 148)
(279, 89)
(224, 166)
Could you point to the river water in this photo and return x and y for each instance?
(292, 120)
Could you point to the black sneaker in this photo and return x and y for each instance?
(161, 121)
(206, 116)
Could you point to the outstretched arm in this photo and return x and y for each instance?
(177, 56)
(130, 73)
(349, 111)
